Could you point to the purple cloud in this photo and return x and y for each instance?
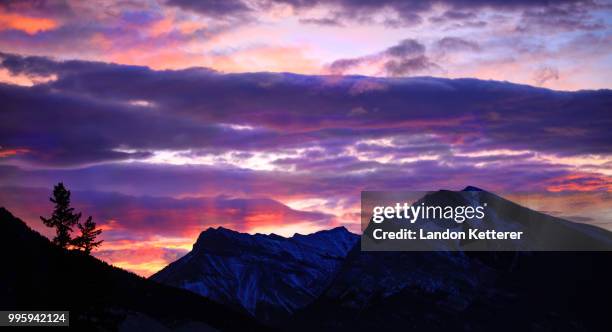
(91, 113)
(452, 44)
(566, 13)
(214, 8)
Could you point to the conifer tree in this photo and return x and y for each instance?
(87, 240)
(63, 217)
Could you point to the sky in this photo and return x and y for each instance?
(165, 118)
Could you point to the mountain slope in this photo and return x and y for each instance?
(541, 232)
(465, 290)
(277, 280)
(40, 276)
(268, 276)
(503, 291)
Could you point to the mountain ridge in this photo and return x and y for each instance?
(267, 276)
(359, 291)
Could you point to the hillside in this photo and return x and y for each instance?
(40, 276)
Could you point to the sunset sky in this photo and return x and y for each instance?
(168, 117)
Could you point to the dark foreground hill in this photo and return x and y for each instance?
(37, 275)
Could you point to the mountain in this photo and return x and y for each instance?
(38, 275)
(325, 289)
(267, 276)
(540, 232)
(473, 290)
(436, 291)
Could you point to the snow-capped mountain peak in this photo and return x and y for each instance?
(269, 276)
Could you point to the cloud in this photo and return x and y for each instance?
(143, 258)
(406, 48)
(326, 21)
(126, 217)
(247, 36)
(453, 15)
(214, 8)
(404, 58)
(580, 182)
(454, 44)
(408, 57)
(563, 16)
(404, 13)
(545, 74)
(408, 66)
(29, 25)
(290, 137)
(94, 112)
(63, 130)
(38, 8)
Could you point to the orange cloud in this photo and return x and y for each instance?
(12, 152)
(100, 41)
(162, 26)
(24, 80)
(29, 25)
(147, 55)
(267, 58)
(580, 182)
(140, 260)
(170, 23)
(144, 269)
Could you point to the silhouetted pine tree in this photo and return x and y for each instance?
(87, 240)
(63, 217)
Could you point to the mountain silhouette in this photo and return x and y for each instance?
(267, 276)
(321, 282)
(541, 232)
(38, 275)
